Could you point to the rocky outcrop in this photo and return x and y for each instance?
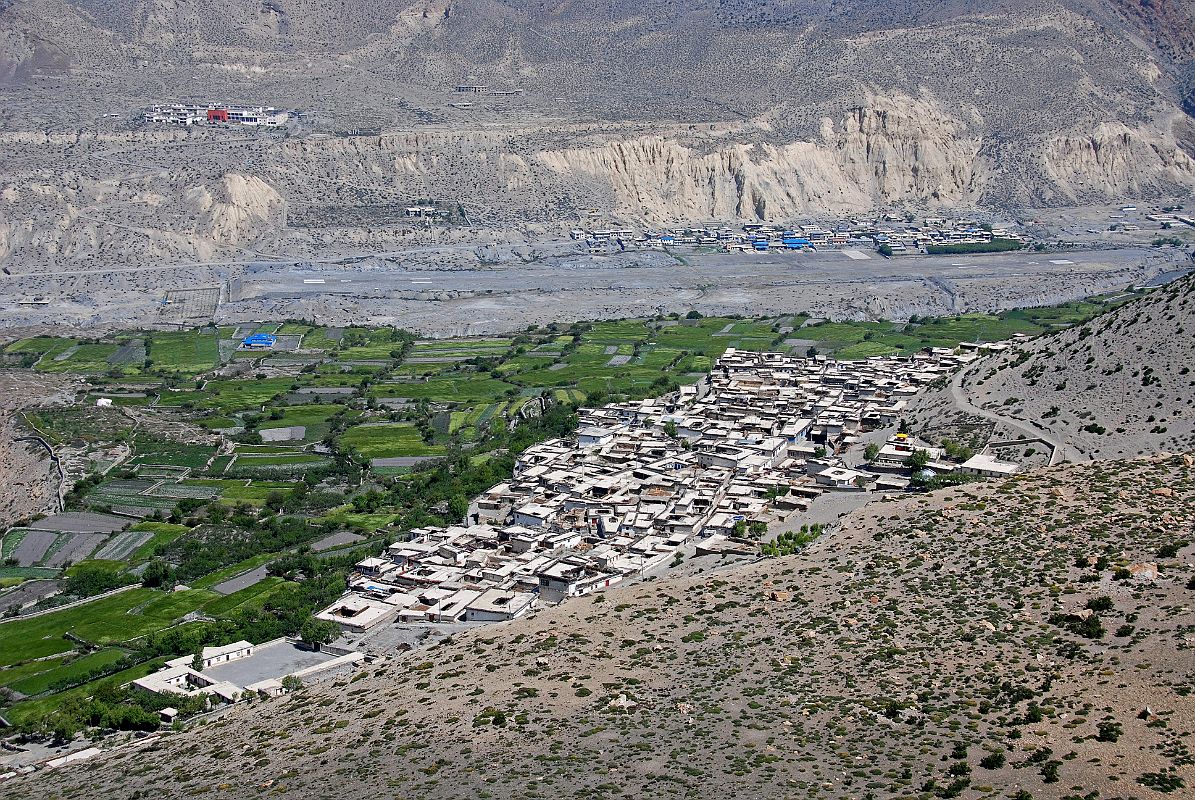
(1115, 160)
(889, 150)
(236, 209)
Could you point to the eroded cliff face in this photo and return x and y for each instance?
(236, 209)
(83, 223)
(888, 151)
(1115, 160)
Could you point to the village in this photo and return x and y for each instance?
(709, 469)
(890, 235)
(189, 114)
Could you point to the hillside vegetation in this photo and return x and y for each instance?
(1119, 385)
(1024, 638)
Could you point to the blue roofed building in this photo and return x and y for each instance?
(259, 341)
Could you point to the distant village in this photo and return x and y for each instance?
(189, 114)
(890, 235)
(711, 466)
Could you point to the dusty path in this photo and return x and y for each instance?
(1059, 450)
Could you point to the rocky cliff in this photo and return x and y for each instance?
(650, 111)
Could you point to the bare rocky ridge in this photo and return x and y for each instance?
(29, 480)
(1121, 385)
(652, 113)
(897, 655)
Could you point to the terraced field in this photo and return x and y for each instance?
(388, 441)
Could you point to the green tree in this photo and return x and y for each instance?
(157, 574)
(871, 451)
(317, 632)
(918, 460)
(458, 506)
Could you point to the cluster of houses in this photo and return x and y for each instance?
(216, 114)
(708, 465)
(229, 673)
(897, 237)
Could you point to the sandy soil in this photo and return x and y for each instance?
(28, 479)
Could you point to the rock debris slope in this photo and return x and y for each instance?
(1030, 633)
(1122, 384)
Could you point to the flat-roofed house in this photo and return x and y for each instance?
(496, 605)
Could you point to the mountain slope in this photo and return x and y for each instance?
(1120, 385)
(896, 657)
(932, 104)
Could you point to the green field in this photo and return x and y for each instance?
(227, 396)
(469, 388)
(41, 345)
(35, 709)
(274, 460)
(88, 358)
(315, 417)
(251, 596)
(163, 534)
(19, 574)
(235, 491)
(386, 441)
(42, 681)
(183, 352)
(113, 619)
(159, 453)
(319, 339)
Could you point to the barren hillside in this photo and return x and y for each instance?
(659, 112)
(994, 637)
(1118, 386)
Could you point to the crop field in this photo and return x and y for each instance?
(44, 346)
(173, 454)
(408, 369)
(20, 574)
(251, 491)
(183, 492)
(33, 709)
(388, 441)
(82, 358)
(254, 596)
(160, 535)
(322, 339)
(136, 496)
(21, 671)
(227, 396)
(65, 670)
(26, 547)
(275, 459)
(461, 348)
(122, 545)
(315, 418)
(36, 548)
(469, 389)
(163, 472)
(116, 618)
(183, 352)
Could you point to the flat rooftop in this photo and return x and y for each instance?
(271, 660)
